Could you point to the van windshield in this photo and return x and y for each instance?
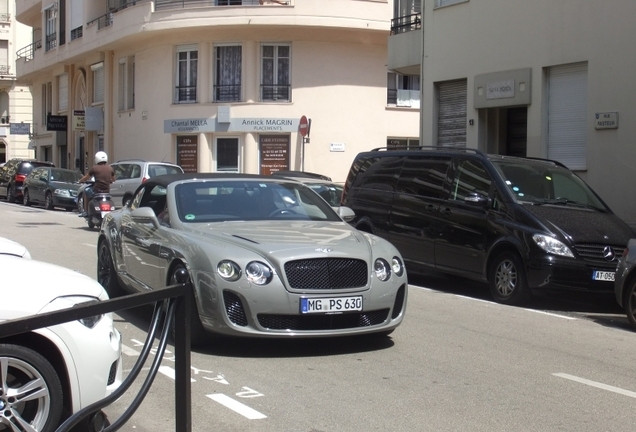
(539, 184)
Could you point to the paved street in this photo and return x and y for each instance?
(458, 362)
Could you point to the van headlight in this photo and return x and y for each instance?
(552, 245)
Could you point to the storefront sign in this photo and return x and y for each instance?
(606, 120)
(188, 153)
(274, 153)
(233, 125)
(20, 128)
(500, 89)
(56, 123)
(79, 120)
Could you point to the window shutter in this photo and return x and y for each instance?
(98, 82)
(77, 14)
(122, 84)
(451, 122)
(62, 92)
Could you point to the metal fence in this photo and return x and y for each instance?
(171, 305)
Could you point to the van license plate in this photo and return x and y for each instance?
(603, 276)
(330, 305)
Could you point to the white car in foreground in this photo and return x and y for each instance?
(9, 247)
(52, 372)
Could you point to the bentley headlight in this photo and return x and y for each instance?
(397, 266)
(258, 273)
(229, 270)
(552, 245)
(382, 269)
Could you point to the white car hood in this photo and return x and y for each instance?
(9, 247)
(28, 286)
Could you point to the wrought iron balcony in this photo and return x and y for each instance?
(185, 4)
(51, 41)
(77, 33)
(186, 94)
(274, 92)
(227, 93)
(27, 51)
(406, 23)
(5, 17)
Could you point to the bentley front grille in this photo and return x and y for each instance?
(326, 273)
(323, 322)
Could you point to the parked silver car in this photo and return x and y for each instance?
(129, 174)
(266, 256)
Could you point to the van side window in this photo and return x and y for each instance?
(470, 177)
(424, 176)
(379, 173)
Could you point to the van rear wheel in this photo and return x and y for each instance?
(507, 279)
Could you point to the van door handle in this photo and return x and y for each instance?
(430, 208)
(446, 211)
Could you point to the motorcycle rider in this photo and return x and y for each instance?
(104, 175)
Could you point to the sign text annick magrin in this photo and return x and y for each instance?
(193, 125)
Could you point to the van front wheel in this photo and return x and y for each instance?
(507, 279)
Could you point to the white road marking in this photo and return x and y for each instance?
(249, 393)
(236, 406)
(129, 351)
(597, 384)
(89, 245)
(495, 303)
(170, 373)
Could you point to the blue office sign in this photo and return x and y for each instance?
(56, 123)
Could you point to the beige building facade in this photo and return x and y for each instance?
(219, 85)
(532, 78)
(15, 99)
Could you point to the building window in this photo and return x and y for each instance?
(407, 16)
(275, 66)
(5, 68)
(227, 154)
(47, 102)
(227, 70)
(126, 90)
(187, 69)
(62, 92)
(98, 82)
(440, 3)
(50, 18)
(403, 90)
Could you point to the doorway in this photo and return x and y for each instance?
(506, 130)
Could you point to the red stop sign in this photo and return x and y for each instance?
(303, 127)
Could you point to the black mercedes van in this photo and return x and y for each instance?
(521, 224)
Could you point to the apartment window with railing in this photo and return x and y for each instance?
(275, 68)
(98, 82)
(50, 18)
(403, 90)
(227, 73)
(126, 76)
(187, 71)
(47, 101)
(407, 16)
(5, 68)
(77, 19)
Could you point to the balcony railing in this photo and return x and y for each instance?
(274, 92)
(185, 4)
(186, 94)
(103, 21)
(406, 23)
(227, 93)
(5, 69)
(77, 33)
(27, 51)
(5, 17)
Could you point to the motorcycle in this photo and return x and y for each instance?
(98, 207)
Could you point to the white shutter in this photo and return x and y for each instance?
(4, 53)
(98, 82)
(77, 14)
(451, 120)
(122, 84)
(567, 115)
(62, 92)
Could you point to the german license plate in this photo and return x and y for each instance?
(330, 304)
(603, 276)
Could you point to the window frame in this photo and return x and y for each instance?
(191, 67)
(97, 70)
(238, 154)
(234, 96)
(276, 85)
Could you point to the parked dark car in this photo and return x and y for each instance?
(625, 284)
(13, 174)
(51, 187)
(521, 224)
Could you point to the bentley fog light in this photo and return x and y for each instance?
(258, 273)
(382, 269)
(552, 245)
(397, 266)
(229, 270)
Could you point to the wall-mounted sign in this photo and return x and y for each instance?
(79, 120)
(188, 153)
(274, 154)
(500, 89)
(56, 123)
(337, 147)
(94, 117)
(202, 125)
(20, 128)
(606, 120)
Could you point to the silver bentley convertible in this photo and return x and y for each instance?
(266, 257)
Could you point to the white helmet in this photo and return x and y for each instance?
(100, 157)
